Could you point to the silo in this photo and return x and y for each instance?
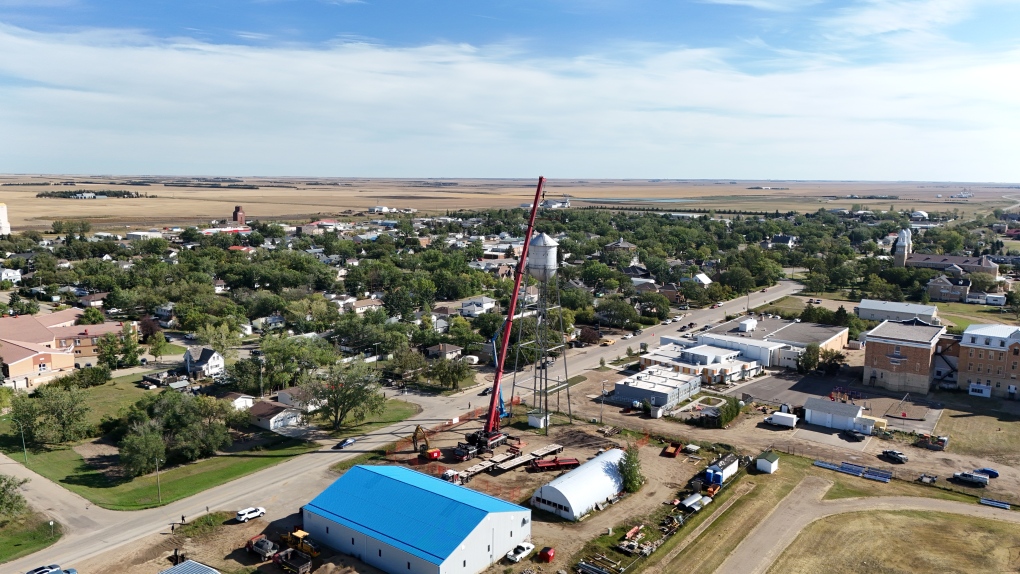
(542, 257)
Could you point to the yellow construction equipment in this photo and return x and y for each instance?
(300, 541)
(425, 450)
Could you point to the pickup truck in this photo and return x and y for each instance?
(262, 546)
(972, 478)
(291, 560)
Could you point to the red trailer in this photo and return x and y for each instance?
(554, 464)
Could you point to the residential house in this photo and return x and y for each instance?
(292, 398)
(274, 321)
(444, 350)
(203, 362)
(239, 401)
(949, 289)
(477, 306)
(12, 275)
(272, 415)
(620, 245)
(220, 286)
(700, 278)
(94, 300)
(359, 307)
(788, 241)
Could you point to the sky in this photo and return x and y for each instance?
(739, 89)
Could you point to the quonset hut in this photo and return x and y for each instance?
(576, 493)
(402, 521)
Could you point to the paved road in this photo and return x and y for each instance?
(282, 490)
(804, 505)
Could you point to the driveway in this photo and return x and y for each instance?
(829, 436)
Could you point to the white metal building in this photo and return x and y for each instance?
(660, 386)
(836, 415)
(402, 521)
(576, 493)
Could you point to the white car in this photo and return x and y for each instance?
(249, 513)
(522, 550)
(628, 336)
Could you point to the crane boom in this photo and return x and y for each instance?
(492, 420)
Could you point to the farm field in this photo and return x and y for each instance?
(298, 199)
(904, 541)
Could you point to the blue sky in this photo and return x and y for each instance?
(807, 89)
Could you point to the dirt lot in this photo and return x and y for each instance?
(907, 541)
(300, 198)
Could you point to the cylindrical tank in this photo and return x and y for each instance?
(542, 257)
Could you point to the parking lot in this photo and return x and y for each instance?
(794, 389)
(831, 437)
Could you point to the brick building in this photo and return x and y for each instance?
(951, 289)
(900, 355)
(990, 360)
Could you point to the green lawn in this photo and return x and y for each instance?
(110, 398)
(25, 534)
(977, 313)
(395, 411)
(172, 349)
(67, 468)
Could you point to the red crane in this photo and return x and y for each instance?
(489, 435)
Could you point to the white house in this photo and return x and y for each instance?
(477, 306)
(203, 362)
(289, 397)
(12, 275)
(700, 279)
(272, 415)
(239, 401)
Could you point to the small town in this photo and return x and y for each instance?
(387, 395)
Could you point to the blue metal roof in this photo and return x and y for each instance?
(417, 513)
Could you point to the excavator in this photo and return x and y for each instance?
(490, 436)
(425, 450)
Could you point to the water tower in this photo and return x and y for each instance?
(541, 337)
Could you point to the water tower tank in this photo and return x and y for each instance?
(542, 257)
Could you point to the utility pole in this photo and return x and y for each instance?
(22, 428)
(603, 405)
(159, 492)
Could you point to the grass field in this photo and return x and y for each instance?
(395, 411)
(118, 394)
(784, 305)
(67, 468)
(994, 436)
(25, 534)
(172, 349)
(903, 541)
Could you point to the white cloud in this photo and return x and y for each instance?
(87, 103)
(769, 5)
(877, 17)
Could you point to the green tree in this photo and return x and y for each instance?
(221, 339)
(816, 282)
(488, 324)
(1013, 303)
(449, 373)
(25, 410)
(12, 503)
(107, 350)
(654, 305)
(808, 360)
(830, 360)
(142, 447)
(408, 363)
(6, 395)
(63, 414)
(984, 282)
(158, 346)
(616, 312)
(91, 316)
(347, 394)
(630, 469)
(129, 347)
(247, 377)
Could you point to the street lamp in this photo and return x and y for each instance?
(22, 428)
(603, 405)
(51, 529)
(159, 492)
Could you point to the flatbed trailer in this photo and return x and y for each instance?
(547, 450)
(514, 463)
(554, 464)
(477, 469)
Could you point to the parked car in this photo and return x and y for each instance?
(51, 569)
(989, 472)
(638, 331)
(247, 514)
(522, 550)
(895, 456)
(854, 436)
(345, 443)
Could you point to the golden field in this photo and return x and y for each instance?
(300, 199)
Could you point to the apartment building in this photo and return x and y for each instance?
(899, 355)
(990, 360)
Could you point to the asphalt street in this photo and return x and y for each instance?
(284, 488)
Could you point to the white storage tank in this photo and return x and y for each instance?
(542, 257)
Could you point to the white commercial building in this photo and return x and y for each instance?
(836, 415)
(577, 492)
(402, 521)
(138, 235)
(713, 364)
(873, 310)
(659, 386)
(765, 353)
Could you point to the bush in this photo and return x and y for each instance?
(648, 320)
